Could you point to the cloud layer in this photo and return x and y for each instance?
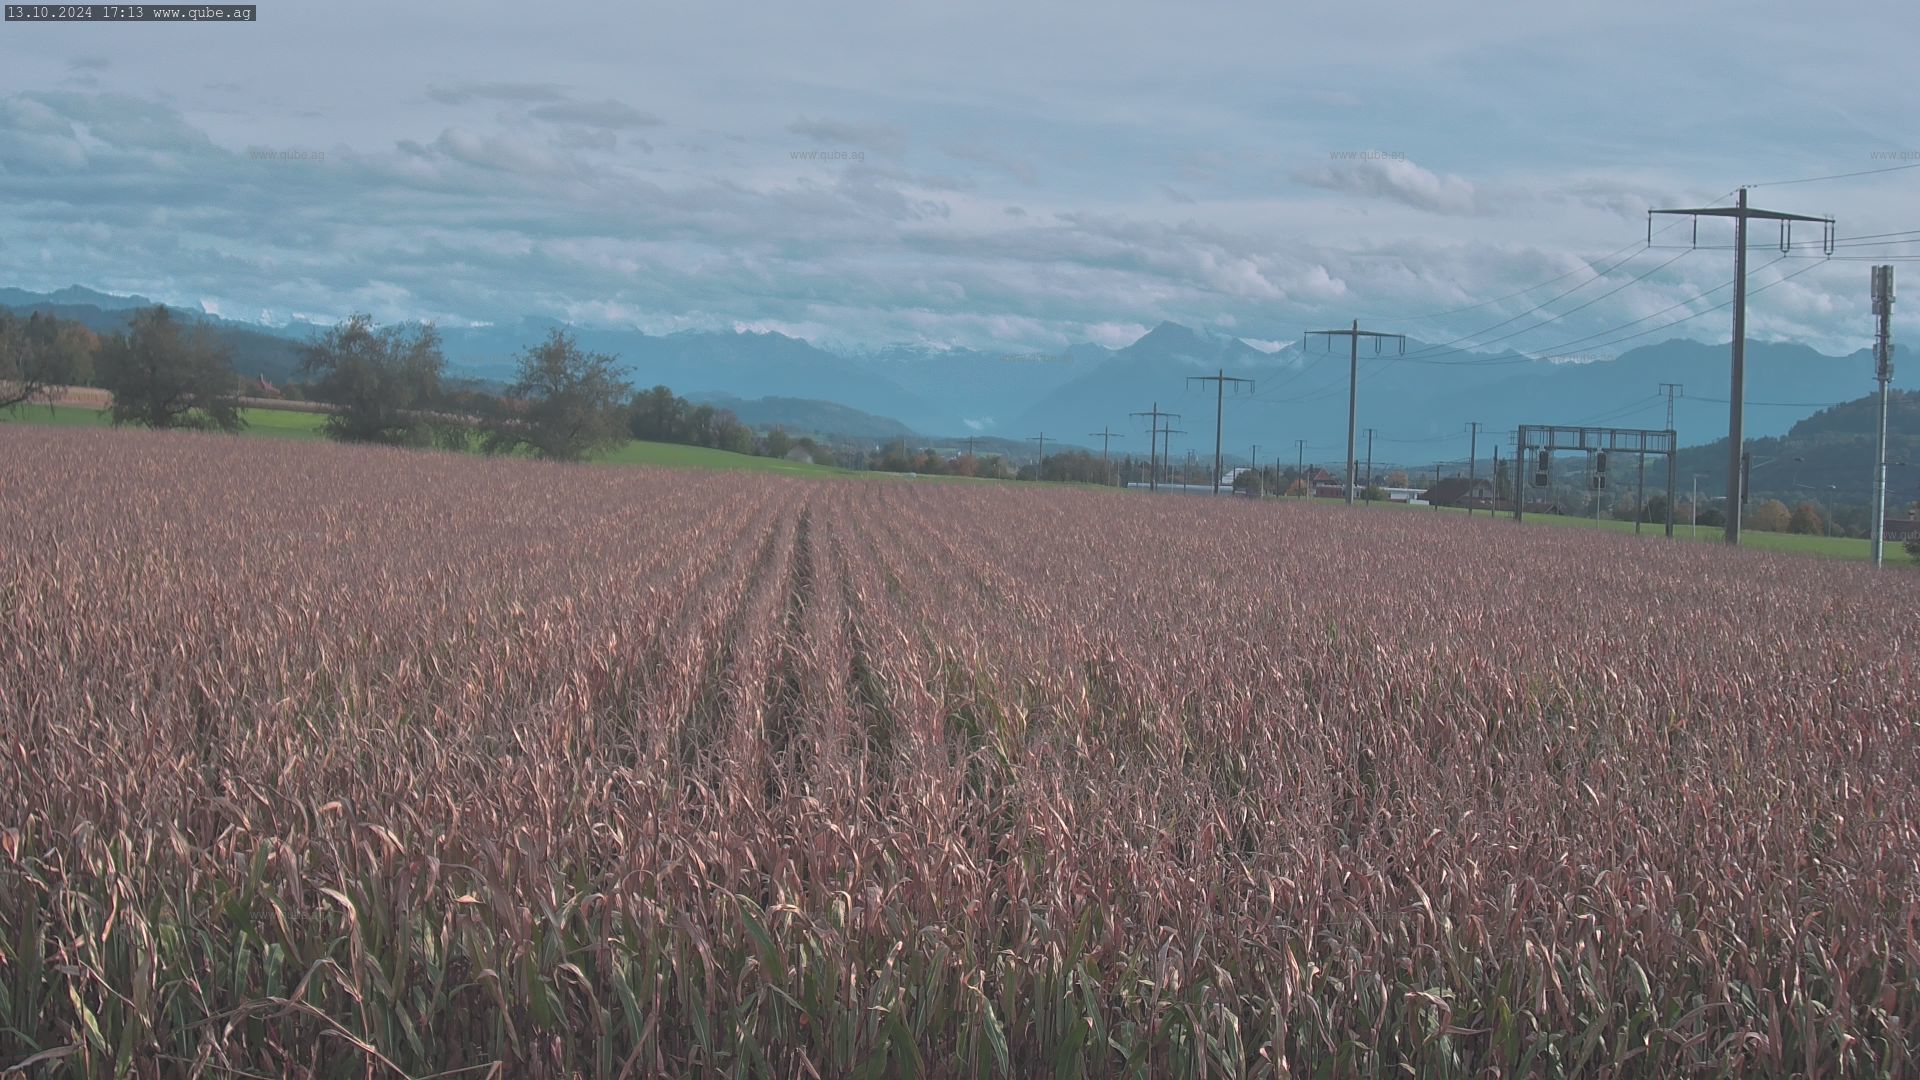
(1006, 178)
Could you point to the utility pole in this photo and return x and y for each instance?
(1672, 390)
(1300, 466)
(1741, 213)
(1219, 382)
(969, 446)
(1594, 480)
(1353, 336)
(1153, 443)
(1040, 473)
(1473, 455)
(1369, 483)
(1640, 493)
(1104, 436)
(1883, 357)
(1166, 449)
(1259, 489)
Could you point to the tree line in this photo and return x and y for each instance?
(390, 386)
(383, 385)
(660, 415)
(42, 352)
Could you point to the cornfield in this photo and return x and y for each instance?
(324, 761)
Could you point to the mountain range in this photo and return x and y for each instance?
(1418, 402)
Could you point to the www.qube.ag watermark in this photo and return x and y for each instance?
(1368, 155)
(261, 153)
(827, 155)
(1896, 155)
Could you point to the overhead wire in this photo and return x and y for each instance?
(1635, 280)
(1432, 354)
(1705, 311)
(1836, 176)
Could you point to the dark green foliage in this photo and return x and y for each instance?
(164, 374)
(659, 415)
(41, 352)
(565, 405)
(382, 382)
(776, 443)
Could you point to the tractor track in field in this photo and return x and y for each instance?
(866, 693)
(783, 711)
(698, 731)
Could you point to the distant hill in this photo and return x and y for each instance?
(804, 416)
(1155, 370)
(981, 392)
(256, 351)
(1825, 458)
(72, 296)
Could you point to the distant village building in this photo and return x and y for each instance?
(264, 389)
(799, 454)
(1326, 485)
(1461, 492)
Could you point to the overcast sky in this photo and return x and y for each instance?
(999, 175)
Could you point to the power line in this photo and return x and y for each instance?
(1153, 443)
(1552, 280)
(1836, 176)
(1776, 404)
(1497, 361)
(1741, 214)
(1823, 244)
(1369, 459)
(1448, 345)
(1353, 337)
(1220, 382)
(1587, 267)
(1672, 390)
(1377, 368)
(1550, 355)
(1419, 442)
(1446, 349)
(1618, 412)
(1860, 258)
(1689, 318)
(1473, 461)
(1105, 436)
(1041, 473)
